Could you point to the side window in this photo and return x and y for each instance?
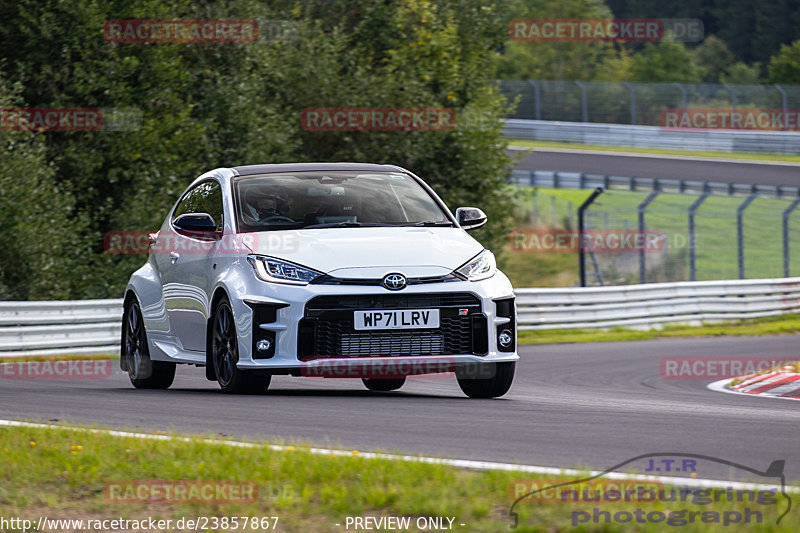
(205, 198)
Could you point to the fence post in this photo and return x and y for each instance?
(692, 240)
(733, 99)
(684, 101)
(581, 252)
(537, 98)
(786, 214)
(584, 103)
(632, 89)
(740, 231)
(785, 107)
(641, 209)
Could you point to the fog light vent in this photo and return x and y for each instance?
(263, 345)
(505, 338)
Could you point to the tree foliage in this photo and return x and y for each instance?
(665, 61)
(212, 105)
(785, 66)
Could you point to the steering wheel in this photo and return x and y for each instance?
(276, 218)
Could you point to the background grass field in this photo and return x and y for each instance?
(716, 237)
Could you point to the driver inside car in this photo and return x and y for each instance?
(264, 206)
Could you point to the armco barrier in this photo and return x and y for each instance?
(653, 136)
(93, 326)
(60, 327)
(556, 179)
(653, 304)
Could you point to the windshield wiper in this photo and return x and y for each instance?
(430, 223)
(343, 225)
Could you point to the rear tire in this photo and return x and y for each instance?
(225, 355)
(490, 387)
(383, 385)
(135, 354)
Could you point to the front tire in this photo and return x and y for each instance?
(494, 386)
(225, 355)
(383, 385)
(135, 354)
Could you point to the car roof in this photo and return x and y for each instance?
(252, 170)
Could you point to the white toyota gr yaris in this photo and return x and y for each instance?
(322, 270)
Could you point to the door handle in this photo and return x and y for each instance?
(173, 256)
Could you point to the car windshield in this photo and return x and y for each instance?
(334, 199)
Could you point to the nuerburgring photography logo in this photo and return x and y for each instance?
(695, 498)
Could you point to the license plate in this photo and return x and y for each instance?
(400, 319)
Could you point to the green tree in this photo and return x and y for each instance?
(666, 61)
(784, 67)
(39, 244)
(210, 105)
(713, 59)
(742, 74)
(556, 60)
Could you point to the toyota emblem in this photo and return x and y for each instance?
(394, 282)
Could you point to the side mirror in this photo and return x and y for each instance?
(470, 218)
(196, 223)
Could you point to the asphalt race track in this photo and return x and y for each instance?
(653, 166)
(581, 404)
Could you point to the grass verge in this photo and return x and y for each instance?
(780, 325)
(64, 474)
(738, 156)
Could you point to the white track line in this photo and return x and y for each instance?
(459, 463)
(721, 386)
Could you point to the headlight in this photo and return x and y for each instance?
(480, 267)
(277, 271)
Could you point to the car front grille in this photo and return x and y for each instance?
(327, 329)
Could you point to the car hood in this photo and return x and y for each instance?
(367, 252)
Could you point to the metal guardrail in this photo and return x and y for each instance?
(651, 305)
(653, 136)
(60, 327)
(556, 179)
(93, 326)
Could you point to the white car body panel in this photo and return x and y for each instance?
(441, 250)
(176, 295)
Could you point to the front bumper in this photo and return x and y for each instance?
(308, 325)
